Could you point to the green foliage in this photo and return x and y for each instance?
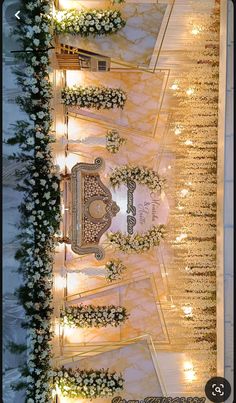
(38, 179)
(15, 348)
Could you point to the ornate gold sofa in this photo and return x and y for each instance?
(89, 209)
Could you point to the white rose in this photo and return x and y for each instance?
(47, 195)
(36, 29)
(41, 114)
(39, 135)
(29, 71)
(39, 155)
(35, 90)
(36, 42)
(55, 186)
(29, 34)
(44, 60)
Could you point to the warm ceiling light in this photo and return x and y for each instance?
(188, 142)
(184, 192)
(178, 131)
(59, 282)
(190, 373)
(188, 366)
(189, 91)
(195, 31)
(187, 310)
(179, 238)
(187, 269)
(174, 87)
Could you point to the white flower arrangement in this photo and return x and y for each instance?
(93, 316)
(88, 22)
(94, 97)
(138, 243)
(40, 208)
(114, 141)
(87, 384)
(114, 268)
(142, 175)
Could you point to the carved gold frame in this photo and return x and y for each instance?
(80, 208)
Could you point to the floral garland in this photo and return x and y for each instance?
(93, 316)
(142, 175)
(88, 22)
(40, 209)
(138, 243)
(88, 384)
(114, 141)
(94, 97)
(114, 269)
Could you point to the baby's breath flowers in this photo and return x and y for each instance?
(114, 141)
(142, 175)
(93, 316)
(88, 22)
(94, 97)
(137, 243)
(114, 268)
(87, 384)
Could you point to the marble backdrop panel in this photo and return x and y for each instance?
(136, 362)
(89, 136)
(85, 274)
(134, 43)
(138, 296)
(144, 91)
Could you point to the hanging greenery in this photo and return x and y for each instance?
(137, 243)
(142, 175)
(88, 22)
(114, 268)
(114, 141)
(38, 179)
(94, 97)
(93, 316)
(87, 384)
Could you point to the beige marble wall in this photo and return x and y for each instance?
(144, 94)
(137, 265)
(137, 147)
(140, 298)
(134, 43)
(138, 366)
